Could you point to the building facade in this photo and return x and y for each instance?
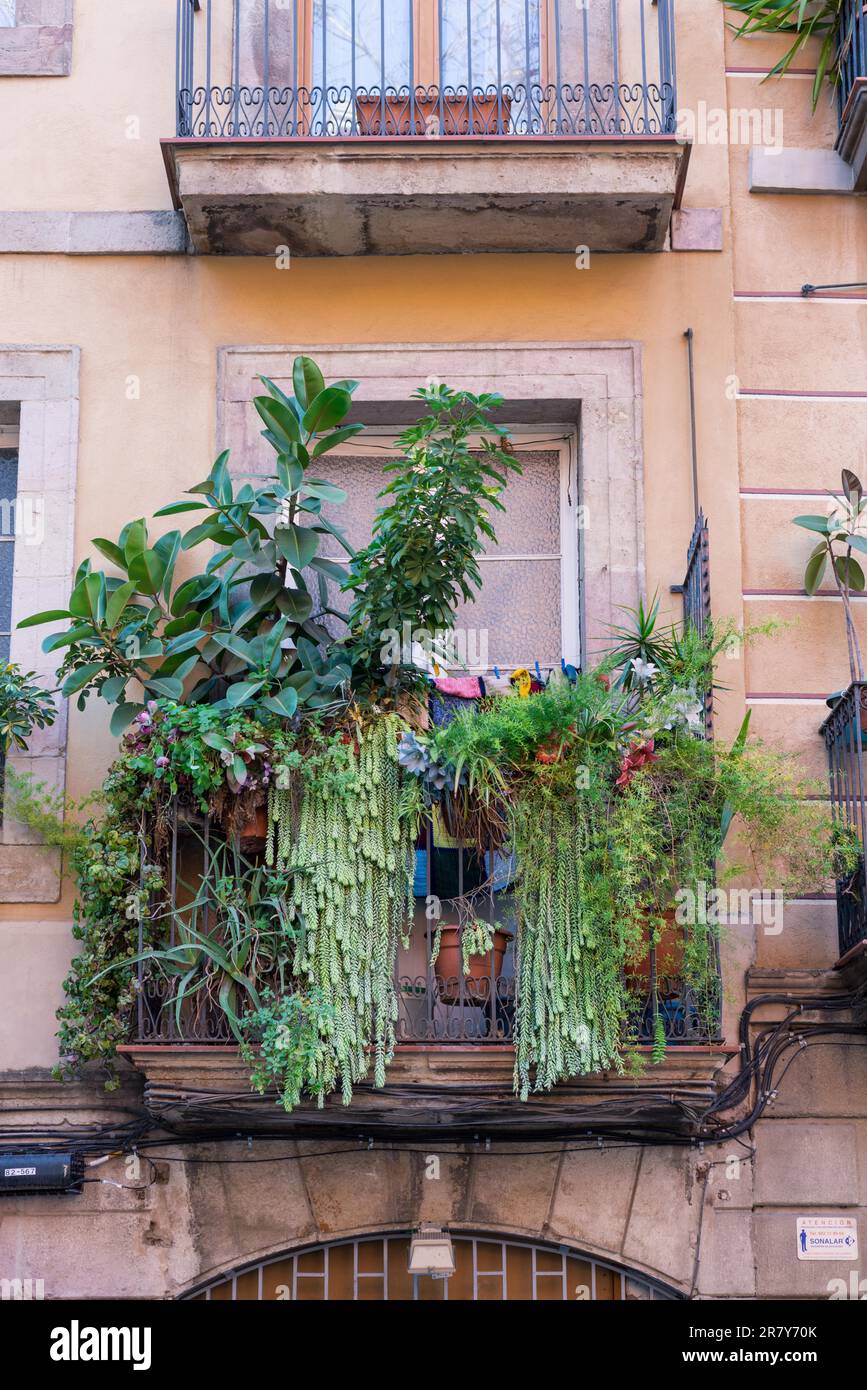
(606, 214)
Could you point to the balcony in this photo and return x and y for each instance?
(852, 93)
(399, 127)
(845, 734)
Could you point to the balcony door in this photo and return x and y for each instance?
(426, 66)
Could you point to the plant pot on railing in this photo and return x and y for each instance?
(484, 971)
(433, 116)
(254, 834)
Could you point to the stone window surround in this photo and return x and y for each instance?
(40, 42)
(44, 381)
(594, 385)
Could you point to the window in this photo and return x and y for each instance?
(9, 415)
(397, 42)
(7, 14)
(527, 609)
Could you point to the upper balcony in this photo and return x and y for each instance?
(398, 127)
(852, 92)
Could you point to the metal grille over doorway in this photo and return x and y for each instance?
(375, 1270)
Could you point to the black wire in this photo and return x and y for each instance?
(628, 1124)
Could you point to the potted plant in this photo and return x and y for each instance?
(446, 114)
(473, 952)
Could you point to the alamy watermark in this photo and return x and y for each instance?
(713, 907)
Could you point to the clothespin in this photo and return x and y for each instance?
(497, 675)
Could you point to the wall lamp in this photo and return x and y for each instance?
(431, 1252)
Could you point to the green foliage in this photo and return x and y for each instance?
(246, 631)
(24, 706)
(347, 841)
(113, 888)
(843, 530)
(251, 943)
(424, 554)
(287, 1046)
(807, 20)
(44, 810)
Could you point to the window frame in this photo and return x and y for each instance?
(560, 438)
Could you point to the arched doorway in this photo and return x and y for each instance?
(487, 1269)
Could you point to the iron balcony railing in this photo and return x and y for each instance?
(438, 1003)
(334, 69)
(845, 734)
(853, 51)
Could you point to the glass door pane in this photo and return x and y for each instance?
(362, 44)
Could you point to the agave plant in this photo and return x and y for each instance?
(245, 632)
(806, 19)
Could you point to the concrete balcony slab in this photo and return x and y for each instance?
(400, 197)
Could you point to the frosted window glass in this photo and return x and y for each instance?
(7, 14)
(518, 611)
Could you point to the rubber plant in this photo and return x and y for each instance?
(843, 530)
(246, 631)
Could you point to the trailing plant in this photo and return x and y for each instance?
(347, 838)
(807, 20)
(423, 558)
(114, 882)
(843, 530)
(286, 1046)
(246, 631)
(628, 809)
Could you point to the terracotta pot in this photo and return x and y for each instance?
(254, 834)
(424, 115)
(450, 966)
(669, 953)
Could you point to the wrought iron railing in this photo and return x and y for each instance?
(845, 734)
(853, 51)
(267, 69)
(438, 1004)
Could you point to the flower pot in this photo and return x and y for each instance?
(422, 117)
(254, 834)
(449, 969)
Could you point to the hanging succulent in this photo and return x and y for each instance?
(349, 845)
(570, 997)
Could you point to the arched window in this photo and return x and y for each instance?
(488, 1268)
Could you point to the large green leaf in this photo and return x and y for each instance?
(281, 421)
(123, 716)
(175, 508)
(242, 692)
(330, 407)
(325, 492)
(333, 441)
(116, 605)
(297, 544)
(295, 604)
(307, 380)
(148, 570)
(82, 677)
(51, 615)
(850, 573)
(815, 570)
(110, 551)
(284, 703)
(813, 523)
